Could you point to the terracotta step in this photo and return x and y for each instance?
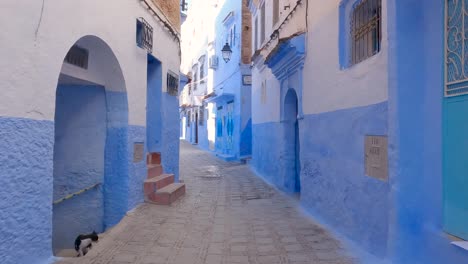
(153, 158)
(168, 194)
(154, 171)
(157, 183)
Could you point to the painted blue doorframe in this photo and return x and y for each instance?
(455, 129)
(286, 63)
(290, 158)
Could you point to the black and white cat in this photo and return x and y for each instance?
(83, 243)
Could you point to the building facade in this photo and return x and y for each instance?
(217, 111)
(349, 113)
(88, 89)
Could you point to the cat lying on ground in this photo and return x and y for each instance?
(83, 243)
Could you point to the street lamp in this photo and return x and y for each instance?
(227, 52)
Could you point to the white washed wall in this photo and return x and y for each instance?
(34, 44)
(327, 87)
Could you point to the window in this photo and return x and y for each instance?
(172, 84)
(195, 76)
(77, 56)
(202, 68)
(256, 34)
(276, 12)
(144, 35)
(201, 116)
(189, 118)
(262, 26)
(365, 30)
(263, 95)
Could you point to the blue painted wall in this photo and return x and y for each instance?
(80, 137)
(116, 170)
(137, 170)
(265, 151)
(170, 137)
(26, 189)
(415, 104)
(334, 184)
(154, 102)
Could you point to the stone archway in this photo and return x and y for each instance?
(90, 184)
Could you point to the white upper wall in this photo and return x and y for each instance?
(265, 96)
(34, 44)
(328, 87)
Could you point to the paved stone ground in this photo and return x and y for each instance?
(228, 215)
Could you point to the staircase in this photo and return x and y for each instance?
(160, 188)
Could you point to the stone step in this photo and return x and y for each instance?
(154, 171)
(167, 195)
(153, 158)
(157, 183)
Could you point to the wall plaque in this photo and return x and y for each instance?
(138, 151)
(376, 157)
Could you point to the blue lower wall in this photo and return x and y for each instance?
(138, 170)
(80, 138)
(416, 53)
(26, 168)
(266, 138)
(333, 181)
(170, 136)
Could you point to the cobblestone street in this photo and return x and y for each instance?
(228, 215)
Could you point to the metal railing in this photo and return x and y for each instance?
(75, 194)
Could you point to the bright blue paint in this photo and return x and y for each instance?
(290, 154)
(153, 101)
(456, 166)
(138, 170)
(455, 145)
(26, 162)
(246, 139)
(80, 136)
(116, 181)
(415, 120)
(170, 138)
(333, 182)
(162, 119)
(286, 63)
(266, 138)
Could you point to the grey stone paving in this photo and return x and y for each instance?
(228, 215)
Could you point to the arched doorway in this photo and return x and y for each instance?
(90, 184)
(292, 182)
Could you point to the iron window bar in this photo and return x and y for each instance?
(144, 35)
(366, 30)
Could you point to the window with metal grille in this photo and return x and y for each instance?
(195, 76)
(77, 56)
(144, 35)
(201, 116)
(202, 68)
(172, 84)
(256, 34)
(366, 30)
(262, 28)
(276, 12)
(189, 118)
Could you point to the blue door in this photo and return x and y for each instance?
(456, 121)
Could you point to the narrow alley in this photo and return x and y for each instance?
(227, 216)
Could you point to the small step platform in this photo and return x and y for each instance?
(167, 195)
(154, 184)
(160, 188)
